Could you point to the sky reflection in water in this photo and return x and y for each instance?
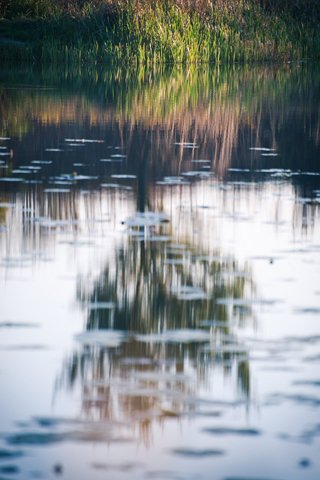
(160, 301)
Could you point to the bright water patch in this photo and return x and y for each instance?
(61, 182)
(213, 258)
(83, 140)
(159, 238)
(227, 348)
(175, 336)
(195, 173)
(187, 144)
(11, 179)
(116, 175)
(115, 185)
(42, 162)
(185, 292)
(263, 149)
(177, 261)
(245, 301)
(111, 160)
(162, 376)
(171, 181)
(147, 219)
(85, 177)
(102, 338)
(200, 161)
(56, 190)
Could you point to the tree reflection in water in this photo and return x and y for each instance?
(159, 296)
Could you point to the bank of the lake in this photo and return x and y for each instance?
(159, 31)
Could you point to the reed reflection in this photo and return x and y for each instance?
(215, 109)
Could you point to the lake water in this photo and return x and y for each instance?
(160, 273)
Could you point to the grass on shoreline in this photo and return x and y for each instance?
(159, 31)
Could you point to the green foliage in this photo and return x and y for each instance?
(159, 31)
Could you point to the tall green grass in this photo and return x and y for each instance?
(160, 31)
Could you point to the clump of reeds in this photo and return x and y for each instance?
(162, 31)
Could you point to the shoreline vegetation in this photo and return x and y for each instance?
(149, 32)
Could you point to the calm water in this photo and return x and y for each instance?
(160, 273)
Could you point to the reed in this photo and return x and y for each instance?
(160, 31)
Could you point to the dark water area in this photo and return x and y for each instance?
(159, 272)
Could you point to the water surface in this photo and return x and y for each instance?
(159, 273)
